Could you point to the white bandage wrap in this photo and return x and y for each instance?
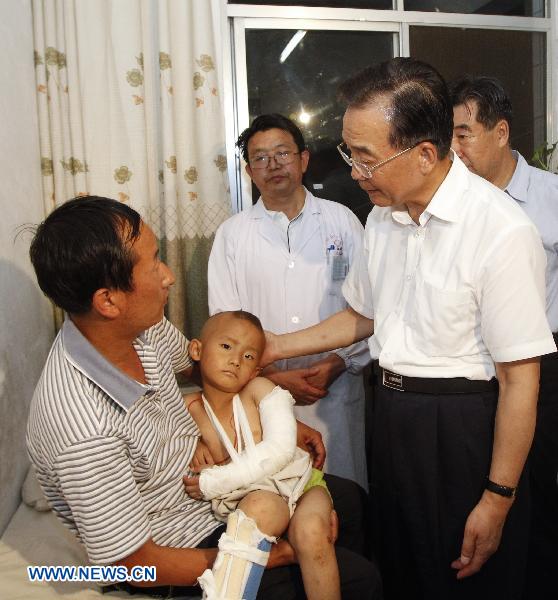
(258, 461)
(243, 554)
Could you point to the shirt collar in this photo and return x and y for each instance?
(519, 183)
(310, 206)
(124, 390)
(446, 202)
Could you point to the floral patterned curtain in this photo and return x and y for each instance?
(130, 107)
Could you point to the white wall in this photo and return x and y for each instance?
(26, 326)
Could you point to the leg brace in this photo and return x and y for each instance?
(238, 568)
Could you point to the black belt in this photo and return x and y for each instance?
(431, 385)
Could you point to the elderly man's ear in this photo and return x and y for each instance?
(503, 133)
(428, 157)
(195, 349)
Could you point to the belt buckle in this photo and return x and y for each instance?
(392, 380)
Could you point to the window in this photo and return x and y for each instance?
(489, 52)
(296, 73)
(331, 40)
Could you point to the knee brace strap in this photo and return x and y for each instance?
(238, 568)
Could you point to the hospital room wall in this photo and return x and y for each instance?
(26, 324)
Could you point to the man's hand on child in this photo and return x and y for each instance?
(270, 352)
(334, 526)
(202, 458)
(311, 440)
(192, 485)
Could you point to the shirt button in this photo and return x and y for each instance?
(295, 319)
(409, 277)
(291, 264)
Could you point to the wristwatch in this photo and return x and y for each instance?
(501, 490)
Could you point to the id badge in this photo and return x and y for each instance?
(339, 268)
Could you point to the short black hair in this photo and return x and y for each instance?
(244, 315)
(83, 245)
(264, 123)
(419, 97)
(493, 102)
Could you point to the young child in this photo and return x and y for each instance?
(245, 418)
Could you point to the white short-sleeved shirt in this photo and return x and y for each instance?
(463, 289)
(110, 452)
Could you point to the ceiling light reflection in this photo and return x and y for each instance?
(293, 43)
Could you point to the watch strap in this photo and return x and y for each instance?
(501, 490)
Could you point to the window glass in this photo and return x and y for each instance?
(516, 58)
(516, 8)
(297, 73)
(377, 4)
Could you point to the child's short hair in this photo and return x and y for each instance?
(244, 315)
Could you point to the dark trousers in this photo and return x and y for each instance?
(360, 579)
(430, 458)
(543, 470)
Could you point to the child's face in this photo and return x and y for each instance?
(230, 354)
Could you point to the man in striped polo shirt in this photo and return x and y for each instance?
(108, 432)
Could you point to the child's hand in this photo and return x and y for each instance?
(202, 458)
(192, 485)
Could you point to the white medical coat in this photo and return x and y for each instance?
(251, 268)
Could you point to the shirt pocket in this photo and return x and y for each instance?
(443, 320)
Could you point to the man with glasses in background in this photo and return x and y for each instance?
(450, 283)
(285, 259)
(482, 115)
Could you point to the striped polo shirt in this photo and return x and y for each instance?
(110, 452)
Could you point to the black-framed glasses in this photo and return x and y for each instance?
(285, 157)
(366, 170)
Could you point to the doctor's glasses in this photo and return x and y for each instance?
(284, 157)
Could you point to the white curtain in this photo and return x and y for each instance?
(130, 107)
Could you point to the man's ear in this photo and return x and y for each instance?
(428, 157)
(305, 157)
(503, 132)
(107, 303)
(248, 170)
(195, 349)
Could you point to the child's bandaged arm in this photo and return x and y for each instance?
(273, 453)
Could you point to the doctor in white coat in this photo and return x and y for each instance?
(285, 259)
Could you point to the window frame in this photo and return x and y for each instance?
(398, 21)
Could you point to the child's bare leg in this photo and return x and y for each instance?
(310, 536)
(269, 510)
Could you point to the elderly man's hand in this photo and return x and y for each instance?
(483, 531)
(270, 354)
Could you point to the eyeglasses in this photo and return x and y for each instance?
(285, 157)
(365, 170)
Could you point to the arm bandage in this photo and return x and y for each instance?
(273, 453)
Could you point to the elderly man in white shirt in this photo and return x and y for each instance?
(451, 285)
(482, 126)
(285, 259)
